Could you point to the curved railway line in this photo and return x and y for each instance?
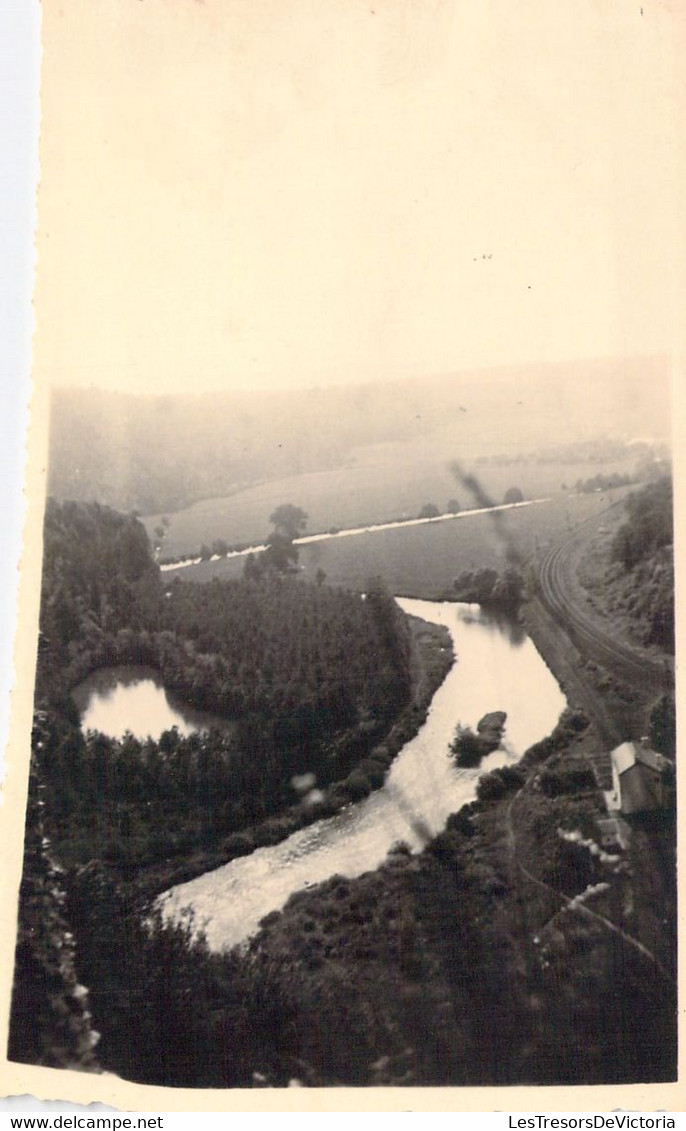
(555, 587)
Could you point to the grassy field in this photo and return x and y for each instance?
(382, 483)
(422, 561)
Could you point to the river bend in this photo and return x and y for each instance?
(497, 668)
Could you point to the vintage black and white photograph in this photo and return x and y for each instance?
(353, 732)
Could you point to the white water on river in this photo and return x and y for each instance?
(497, 668)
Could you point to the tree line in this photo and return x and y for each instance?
(643, 553)
(649, 525)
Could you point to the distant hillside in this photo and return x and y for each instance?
(156, 454)
(640, 582)
(629, 575)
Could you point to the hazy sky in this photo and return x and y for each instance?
(240, 192)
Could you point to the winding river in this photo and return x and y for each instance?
(497, 668)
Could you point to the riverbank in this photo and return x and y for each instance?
(618, 712)
(424, 786)
(569, 669)
(484, 959)
(433, 657)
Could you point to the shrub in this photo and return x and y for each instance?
(490, 787)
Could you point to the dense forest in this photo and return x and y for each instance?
(308, 678)
(51, 1023)
(470, 963)
(649, 526)
(640, 583)
(462, 965)
(314, 684)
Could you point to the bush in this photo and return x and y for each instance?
(513, 495)
(553, 783)
(490, 787)
(357, 785)
(469, 748)
(512, 776)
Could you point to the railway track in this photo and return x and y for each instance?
(619, 658)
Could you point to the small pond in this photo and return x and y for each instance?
(132, 698)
